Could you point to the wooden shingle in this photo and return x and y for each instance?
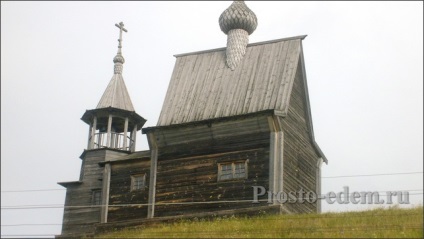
(116, 95)
(202, 86)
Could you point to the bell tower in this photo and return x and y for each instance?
(114, 123)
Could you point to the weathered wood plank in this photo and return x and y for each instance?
(194, 179)
(202, 87)
(80, 220)
(121, 193)
(300, 158)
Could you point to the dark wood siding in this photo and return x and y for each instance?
(121, 194)
(188, 165)
(300, 158)
(79, 214)
(77, 220)
(219, 137)
(194, 179)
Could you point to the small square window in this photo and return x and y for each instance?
(239, 170)
(138, 182)
(97, 197)
(234, 170)
(226, 171)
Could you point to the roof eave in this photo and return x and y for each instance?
(212, 120)
(70, 183)
(308, 109)
(136, 117)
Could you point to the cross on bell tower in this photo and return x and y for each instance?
(121, 28)
(113, 125)
(114, 122)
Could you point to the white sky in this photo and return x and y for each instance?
(364, 63)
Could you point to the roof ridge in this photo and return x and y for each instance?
(301, 37)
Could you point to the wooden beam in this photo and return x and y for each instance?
(153, 170)
(109, 131)
(90, 126)
(93, 126)
(133, 138)
(105, 194)
(125, 133)
(280, 160)
(276, 155)
(318, 184)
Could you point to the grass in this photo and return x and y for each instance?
(392, 222)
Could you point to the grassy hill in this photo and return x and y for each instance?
(393, 222)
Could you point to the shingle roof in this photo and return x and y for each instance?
(203, 87)
(116, 95)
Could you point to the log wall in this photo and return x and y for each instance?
(121, 194)
(300, 158)
(194, 179)
(80, 214)
(187, 168)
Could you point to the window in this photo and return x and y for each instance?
(138, 182)
(233, 170)
(97, 197)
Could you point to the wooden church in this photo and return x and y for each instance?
(233, 118)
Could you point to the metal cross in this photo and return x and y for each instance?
(121, 28)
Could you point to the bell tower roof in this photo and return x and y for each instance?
(114, 122)
(116, 94)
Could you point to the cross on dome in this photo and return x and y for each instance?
(119, 58)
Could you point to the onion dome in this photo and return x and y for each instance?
(238, 22)
(238, 16)
(119, 61)
(119, 58)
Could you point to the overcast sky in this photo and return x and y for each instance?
(364, 64)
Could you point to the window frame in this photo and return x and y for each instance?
(233, 170)
(133, 180)
(96, 197)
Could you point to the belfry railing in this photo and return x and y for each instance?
(117, 141)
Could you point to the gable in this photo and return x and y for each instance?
(202, 86)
